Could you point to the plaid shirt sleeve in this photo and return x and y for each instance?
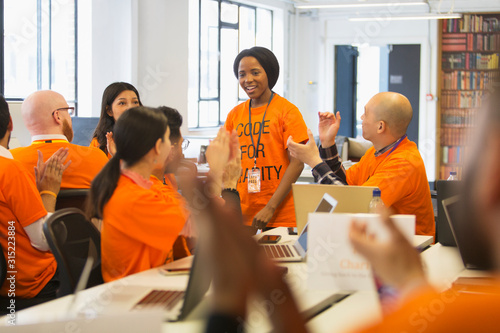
(330, 171)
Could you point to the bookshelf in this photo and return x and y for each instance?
(469, 54)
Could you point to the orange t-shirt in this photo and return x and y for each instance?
(138, 230)
(282, 120)
(20, 206)
(95, 144)
(85, 162)
(401, 178)
(450, 311)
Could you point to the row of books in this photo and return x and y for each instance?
(461, 99)
(444, 171)
(453, 154)
(471, 23)
(468, 60)
(458, 117)
(470, 42)
(463, 80)
(455, 136)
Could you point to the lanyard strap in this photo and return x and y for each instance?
(393, 148)
(261, 127)
(397, 144)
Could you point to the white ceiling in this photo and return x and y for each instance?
(435, 5)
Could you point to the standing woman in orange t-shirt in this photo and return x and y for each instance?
(263, 124)
(117, 97)
(138, 226)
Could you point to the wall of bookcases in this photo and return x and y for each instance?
(469, 54)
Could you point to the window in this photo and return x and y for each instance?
(39, 48)
(225, 28)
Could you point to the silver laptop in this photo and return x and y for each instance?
(297, 251)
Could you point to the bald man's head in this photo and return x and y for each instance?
(394, 109)
(37, 110)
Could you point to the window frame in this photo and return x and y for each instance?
(74, 101)
(223, 25)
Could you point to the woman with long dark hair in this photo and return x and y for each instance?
(117, 97)
(138, 226)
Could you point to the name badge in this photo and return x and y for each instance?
(254, 180)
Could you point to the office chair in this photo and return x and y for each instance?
(72, 198)
(72, 239)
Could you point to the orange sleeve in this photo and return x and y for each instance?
(94, 143)
(22, 196)
(294, 125)
(358, 173)
(229, 121)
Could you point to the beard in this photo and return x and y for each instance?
(67, 130)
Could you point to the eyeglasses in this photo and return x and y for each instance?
(70, 109)
(184, 144)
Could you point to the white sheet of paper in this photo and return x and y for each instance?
(331, 260)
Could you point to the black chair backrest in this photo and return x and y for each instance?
(72, 239)
(72, 198)
(3, 267)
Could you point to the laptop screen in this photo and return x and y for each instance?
(324, 207)
(303, 239)
(473, 254)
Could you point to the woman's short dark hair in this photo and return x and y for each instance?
(135, 134)
(266, 59)
(106, 122)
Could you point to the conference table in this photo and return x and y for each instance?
(68, 314)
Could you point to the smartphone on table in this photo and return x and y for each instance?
(269, 239)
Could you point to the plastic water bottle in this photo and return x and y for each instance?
(376, 201)
(453, 176)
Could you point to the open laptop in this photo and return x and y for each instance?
(174, 304)
(297, 251)
(178, 304)
(351, 199)
(474, 255)
(445, 189)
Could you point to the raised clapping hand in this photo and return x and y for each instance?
(110, 144)
(218, 154)
(396, 262)
(241, 268)
(306, 153)
(48, 175)
(328, 128)
(232, 171)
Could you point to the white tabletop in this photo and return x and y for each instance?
(443, 265)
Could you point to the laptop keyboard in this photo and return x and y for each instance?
(166, 299)
(278, 251)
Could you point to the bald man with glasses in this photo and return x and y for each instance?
(47, 117)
